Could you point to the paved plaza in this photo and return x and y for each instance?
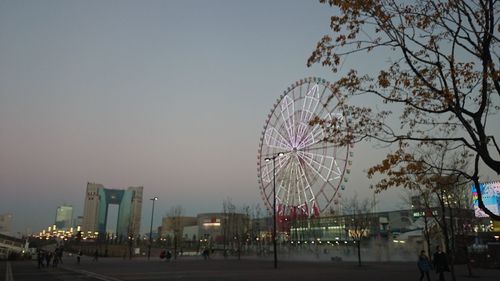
(218, 269)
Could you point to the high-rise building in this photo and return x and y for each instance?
(97, 200)
(6, 223)
(78, 221)
(64, 217)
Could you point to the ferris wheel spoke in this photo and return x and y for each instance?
(274, 139)
(309, 197)
(282, 184)
(323, 193)
(265, 192)
(315, 135)
(287, 113)
(324, 110)
(286, 183)
(320, 146)
(325, 146)
(267, 168)
(294, 183)
(309, 107)
(323, 165)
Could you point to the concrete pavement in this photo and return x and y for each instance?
(218, 269)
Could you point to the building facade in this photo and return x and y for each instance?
(5, 223)
(171, 224)
(380, 224)
(9, 244)
(64, 217)
(97, 200)
(217, 227)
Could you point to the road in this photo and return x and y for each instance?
(195, 268)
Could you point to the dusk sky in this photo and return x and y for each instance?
(169, 95)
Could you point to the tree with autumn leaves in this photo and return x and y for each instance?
(441, 87)
(437, 178)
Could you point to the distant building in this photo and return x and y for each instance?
(382, 224)
(206, 227)
(215, 226)
(210, 226)
(6, 223)
(169, 224)
(64, 217)
(97, 200)
(78, 221)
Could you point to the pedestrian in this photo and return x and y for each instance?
(96, 255)
(40, 258)
(78, 257)
(440, 263)
(55, 259)
(48, 257)
(424, 266)
(168, 255)
(206, 254)
(59, 254)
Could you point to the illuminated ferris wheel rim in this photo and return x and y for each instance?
(310, 168)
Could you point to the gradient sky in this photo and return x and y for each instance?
(170, 95)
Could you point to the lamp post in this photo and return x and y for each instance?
(273, 158)
(151, 227)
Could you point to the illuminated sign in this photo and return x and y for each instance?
(490, 192)
(214, 222)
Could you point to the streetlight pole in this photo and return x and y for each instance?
(273, 158)
(151, 227)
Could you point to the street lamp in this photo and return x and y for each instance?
(151, 227)
(273, 158)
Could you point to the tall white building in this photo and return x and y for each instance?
(95, 212)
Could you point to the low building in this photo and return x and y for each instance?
(11, 245)
(222, 228)
(381, 224)
(171, 224)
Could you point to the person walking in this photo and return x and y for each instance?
(424, 266)
(48, 258)
(96, 255)
(55, 259)
(59, 254)
(40, 257)
(440, 263)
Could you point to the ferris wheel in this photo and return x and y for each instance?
(309, 171)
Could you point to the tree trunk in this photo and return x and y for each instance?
(444, 229)
(239, 249)
(175, 246)
(452, 252)
(359, 252)
(427, 235)
(469, 267)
